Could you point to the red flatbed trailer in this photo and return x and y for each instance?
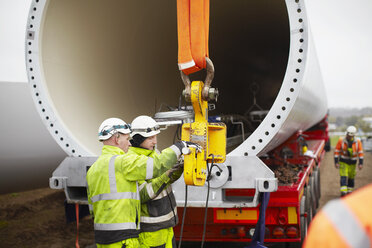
(290, 208)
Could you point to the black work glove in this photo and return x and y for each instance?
(175, 172)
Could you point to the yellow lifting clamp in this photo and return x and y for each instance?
(210, 136)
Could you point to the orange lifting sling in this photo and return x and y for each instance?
(193, 30)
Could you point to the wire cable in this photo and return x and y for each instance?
(176, 134)
(207, 200)
(171, 204)
(183, 217)
(205, 217)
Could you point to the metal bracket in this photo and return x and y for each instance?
(57, 182)
(246, 172)
(71, 177)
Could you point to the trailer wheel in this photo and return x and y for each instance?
(319, 188)
(315, 175)
(314, 197)
(327, 146)
(308, 201)
(317, 185)
(303, 219)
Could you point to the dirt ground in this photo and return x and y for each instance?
(330, 178)
(37, 218)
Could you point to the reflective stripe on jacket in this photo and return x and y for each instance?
(160, 212)
(343, 154)
(113, 191)
(345, 222)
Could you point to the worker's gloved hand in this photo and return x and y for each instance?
(175, 172)
(184, 146)
(178, 166)
(360, 166)
(194, 145)
(337, 165)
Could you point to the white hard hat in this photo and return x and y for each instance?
(351, 130)
(111, 126)
(145, 126)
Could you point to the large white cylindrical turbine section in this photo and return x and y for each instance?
(301, 101)
(88, 60)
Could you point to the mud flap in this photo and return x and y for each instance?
(259, 233)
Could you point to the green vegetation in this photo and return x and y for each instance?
(343, 118)
(334, 140)
(357, 121)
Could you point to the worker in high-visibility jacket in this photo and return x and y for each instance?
(347, 152)
(159, 215)
(112, 184)
(345, 222)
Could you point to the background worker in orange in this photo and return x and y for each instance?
(345, 222)
(347, 152)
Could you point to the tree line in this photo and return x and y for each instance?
(343, 118)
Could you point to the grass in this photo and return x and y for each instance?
(334, 140)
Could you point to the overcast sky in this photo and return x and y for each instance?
(13, 20)
(343, 38)
(341, 30)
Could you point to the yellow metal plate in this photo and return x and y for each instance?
(216, 140)
(292, 215)
(236, 215)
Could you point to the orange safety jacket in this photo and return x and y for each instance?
(345, 222)
(342, 153)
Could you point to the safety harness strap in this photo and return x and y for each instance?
(193, 30)
(347, 224)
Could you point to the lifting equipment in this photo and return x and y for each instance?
(193, 28)
(193, 25)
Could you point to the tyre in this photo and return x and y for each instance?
(316, 185)
(308, 203)
(317, 179)
(314, 197)
(303, 219)
(327, 146)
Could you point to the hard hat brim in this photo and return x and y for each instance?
(145, 134)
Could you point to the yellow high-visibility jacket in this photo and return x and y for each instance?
(113, 190)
